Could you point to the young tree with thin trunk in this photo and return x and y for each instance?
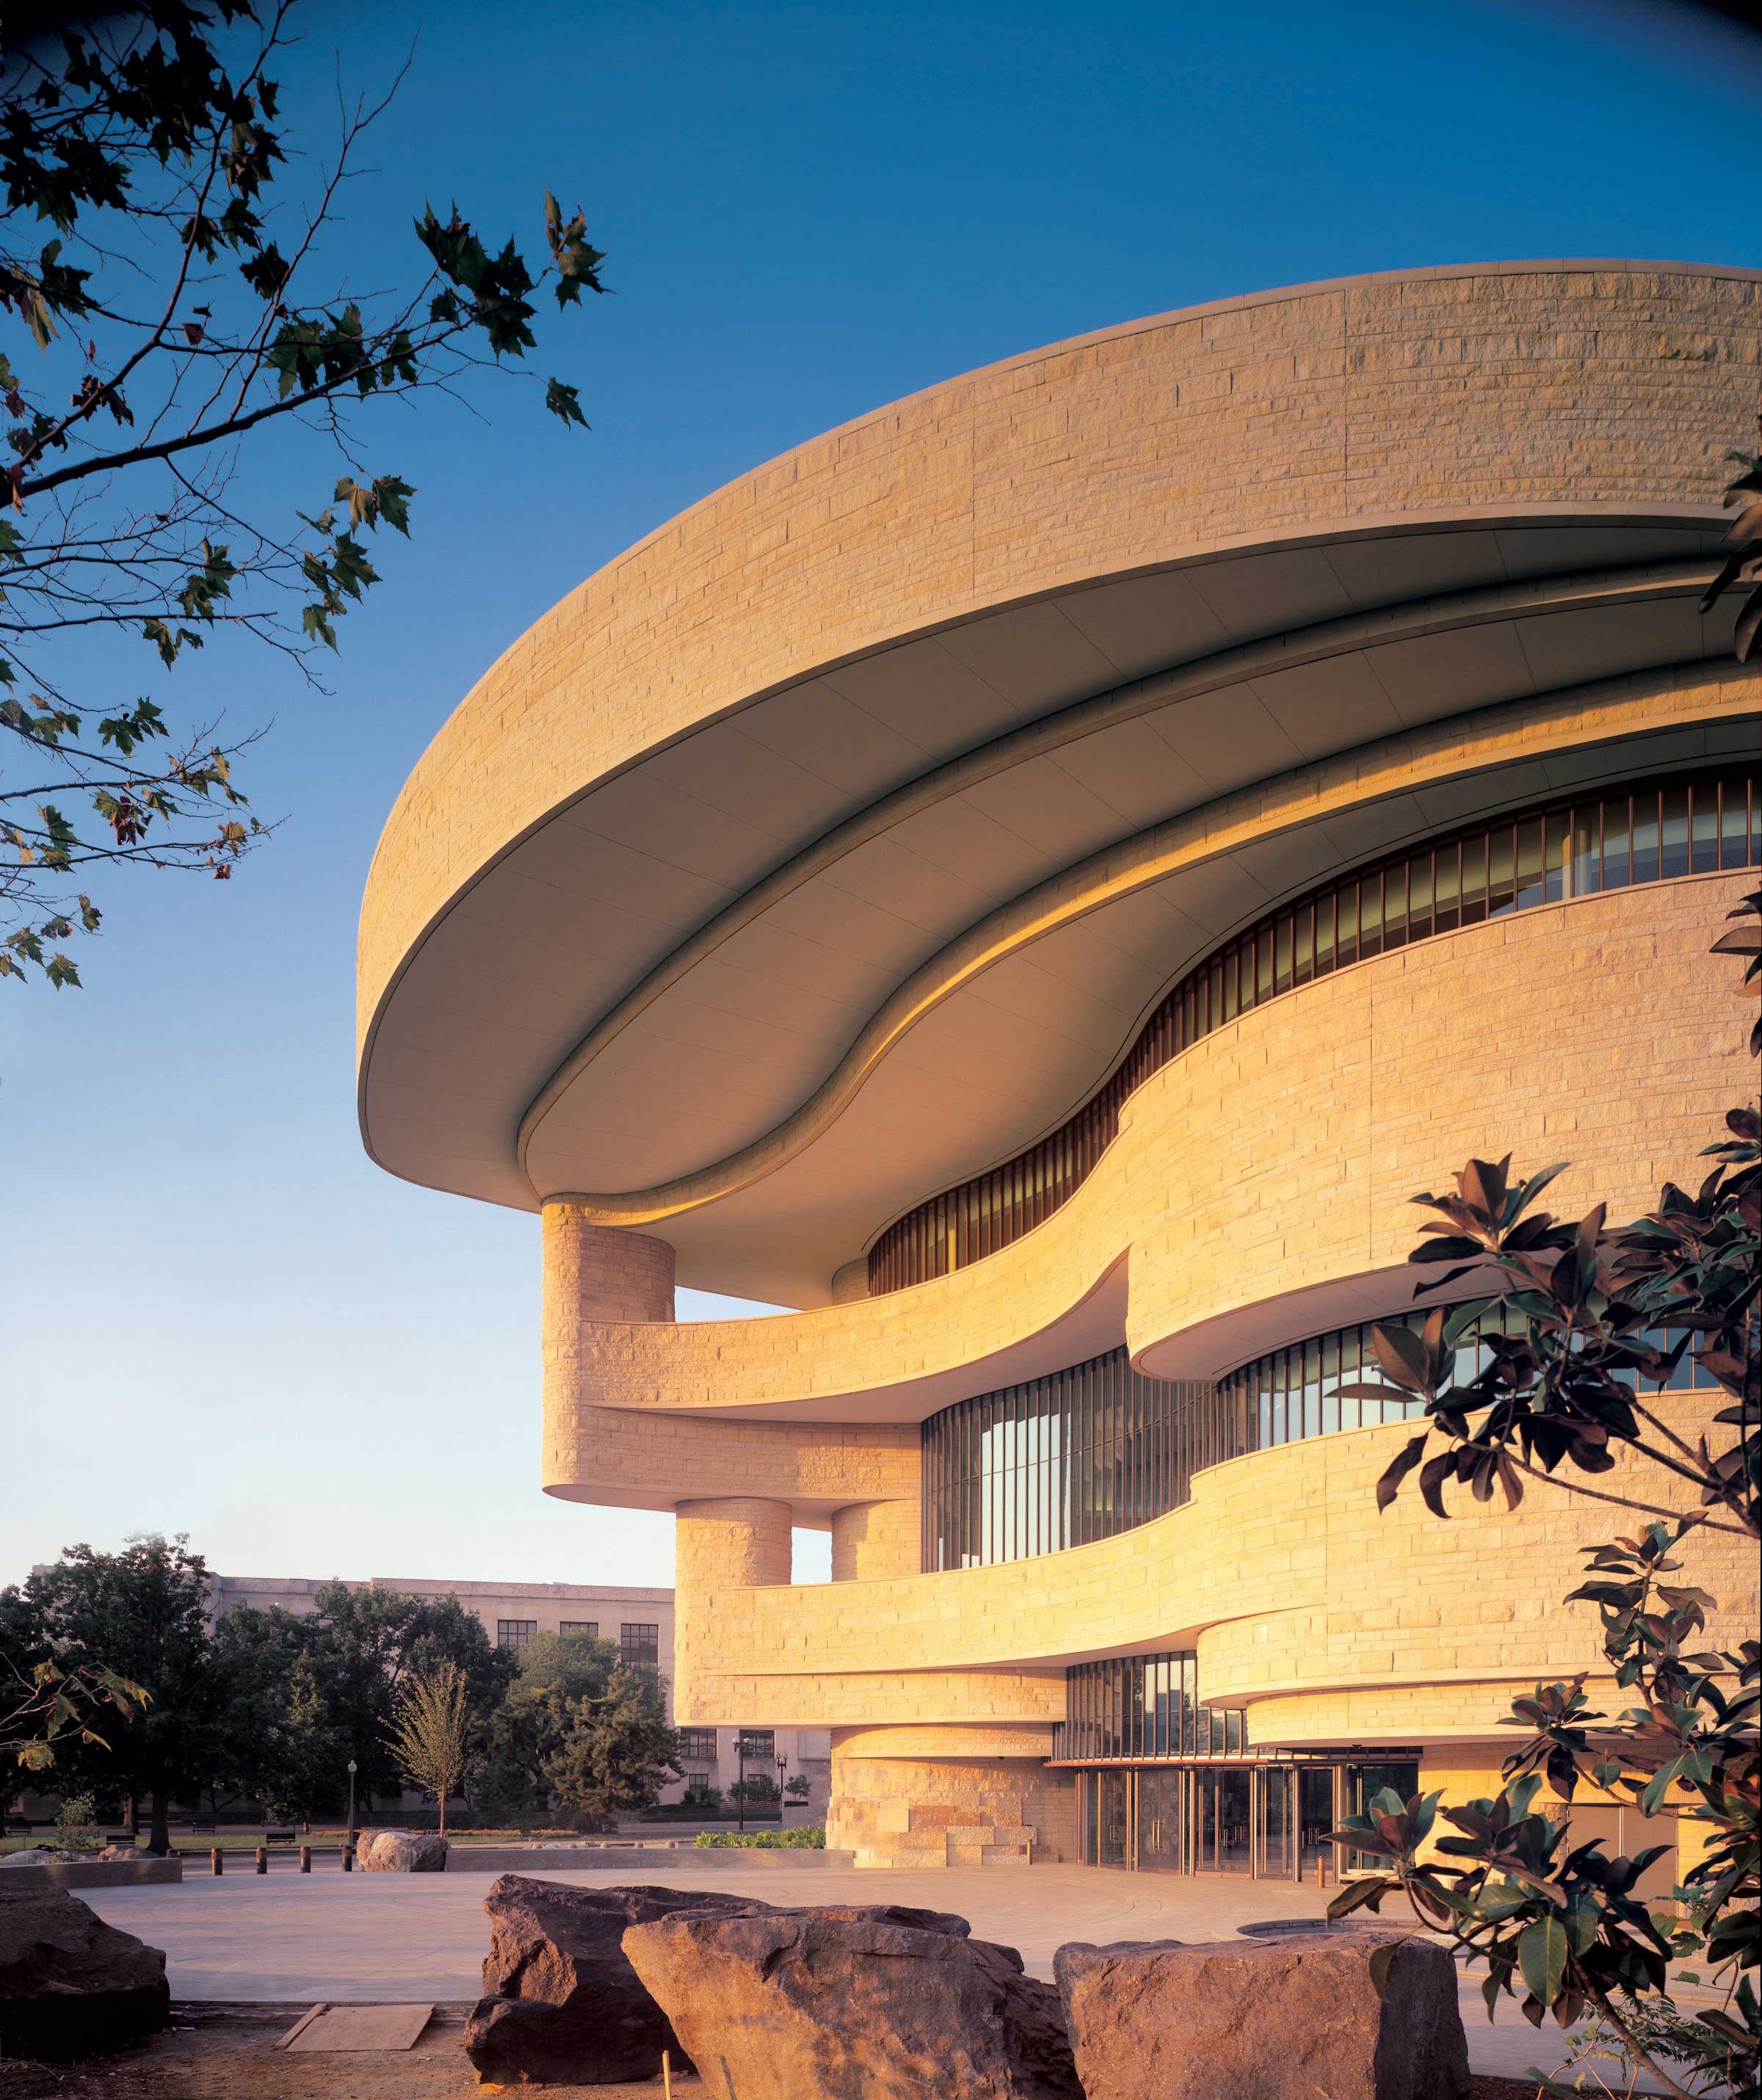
(430, 1724)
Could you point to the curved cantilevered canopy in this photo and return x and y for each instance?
(784, 873)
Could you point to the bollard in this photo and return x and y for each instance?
(263, 1858)
(305, 1859)
(216, 1860)
(348, 1858)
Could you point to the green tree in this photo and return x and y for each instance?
(578, 1728)
(431, 1722)
(309, 1759)
(616, 1752)
(346, 1661)
(1566, 1379)
(281, 1744)
(46, 1704)
(150, 188)
(143, 1612)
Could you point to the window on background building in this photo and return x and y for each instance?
(759, 1742)
(639, 1645)
(698, 1743)
(514, 1633)
(590, 1627)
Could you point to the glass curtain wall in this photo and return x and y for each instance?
(1078, 1455)
(1096, 1450)
(1144, 1706)
(1655, 830)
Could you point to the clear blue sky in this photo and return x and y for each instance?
(220, 1317)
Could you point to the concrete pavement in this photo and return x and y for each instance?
(367, 1938)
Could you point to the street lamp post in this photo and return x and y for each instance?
(740, 1784)
(782, 1766)
(348, 1842)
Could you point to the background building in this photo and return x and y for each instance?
(639, 1621)
(1037, 878)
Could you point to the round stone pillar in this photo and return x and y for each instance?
(730, 1542)
(875, 1539)
(850, 1282)
(720, 1544)
(599, 1273)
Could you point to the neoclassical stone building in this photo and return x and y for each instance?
(1035, 879)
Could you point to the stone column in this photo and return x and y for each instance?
(875, 1539)
(731, 1542)
(599, 1273)
(721, 1543)
(850, 1282)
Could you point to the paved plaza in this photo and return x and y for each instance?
(391, 1937)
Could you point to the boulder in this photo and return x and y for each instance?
(70, 1985)
(33, 1855)
(1267, 2020)
(864, 2003)
(562, 2005)
(401, 1852)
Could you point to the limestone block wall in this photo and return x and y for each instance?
(1599, 1032)
(871, 1539)
(1329, 1622)
(953, 1809)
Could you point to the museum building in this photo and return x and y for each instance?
(1035, 881)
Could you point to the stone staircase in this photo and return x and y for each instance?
(899, 1834)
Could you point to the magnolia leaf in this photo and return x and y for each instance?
(1382, 1958)
(1542, 1950)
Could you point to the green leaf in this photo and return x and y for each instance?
(1381, 1959)
(1542, 1952)
(564, 403)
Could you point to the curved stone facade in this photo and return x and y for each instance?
(833, 846)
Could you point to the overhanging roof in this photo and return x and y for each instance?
(671, 910)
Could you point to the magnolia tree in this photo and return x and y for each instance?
(174, 272)
(1594, 1319)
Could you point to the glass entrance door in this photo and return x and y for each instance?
(1163, 1822)
(1316, 1818)
(1275, 1851)
(1224, 1821)
(1113, 1820)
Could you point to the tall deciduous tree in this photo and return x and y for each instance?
(578, 1728)
(170, 266)
(345, 1663)
(144, 1612)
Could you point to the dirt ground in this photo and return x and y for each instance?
(228, 2052)
(215, 2052)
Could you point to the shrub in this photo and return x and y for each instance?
(808, 1838)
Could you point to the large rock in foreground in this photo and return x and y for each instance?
(859, 2004)
(70, 1985)
(401, 1852)
(562, 2005)
(1272, 2019)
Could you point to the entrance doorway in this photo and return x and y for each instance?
(1269, 1820)
(1226, 1818)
